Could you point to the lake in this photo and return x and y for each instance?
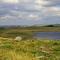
(47, 35)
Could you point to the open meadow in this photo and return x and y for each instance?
(28, 48)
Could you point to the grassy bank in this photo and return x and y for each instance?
(29, 49)
(26, 32)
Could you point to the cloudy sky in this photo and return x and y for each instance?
(29, 12)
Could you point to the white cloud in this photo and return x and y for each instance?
(10, 1)
(30, 9)
(41, 2)
(25, 1)
(16, 1)
(55, 8)
(55, 11)
(6, 17)
(33, 16)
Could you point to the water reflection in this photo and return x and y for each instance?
(47, 35)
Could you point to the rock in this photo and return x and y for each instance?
(18, 38)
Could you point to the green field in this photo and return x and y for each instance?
(29, 49)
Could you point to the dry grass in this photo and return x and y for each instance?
(29, 49)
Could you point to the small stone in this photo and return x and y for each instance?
(18, 38)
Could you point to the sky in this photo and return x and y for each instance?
(29, 12)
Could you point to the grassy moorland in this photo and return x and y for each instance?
(11, 49)
(28, 48)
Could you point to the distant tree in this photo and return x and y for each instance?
(49, 26)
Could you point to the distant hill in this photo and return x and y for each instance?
(52, 25)
(57, 25)
(33, 26)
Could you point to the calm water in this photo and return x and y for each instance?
(47, 35)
